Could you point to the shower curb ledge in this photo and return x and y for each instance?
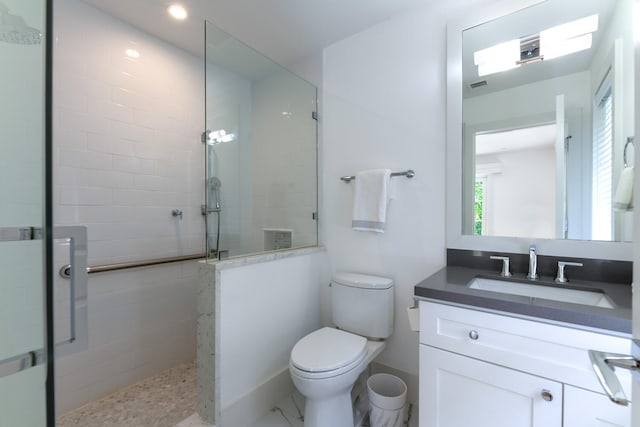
(242, 261)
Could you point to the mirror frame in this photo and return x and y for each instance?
(622, 251)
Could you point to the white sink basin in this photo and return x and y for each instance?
(575, 296)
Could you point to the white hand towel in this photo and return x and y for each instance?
(623, 200)
(370, 200)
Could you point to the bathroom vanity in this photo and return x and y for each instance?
(497, 359)
(505, 352)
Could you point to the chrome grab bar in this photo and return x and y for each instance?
(408, 173)
(603, 366)
(65, 271)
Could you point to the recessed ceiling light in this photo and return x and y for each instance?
(132, 53)
(178, 11)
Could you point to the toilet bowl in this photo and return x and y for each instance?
(324, 365)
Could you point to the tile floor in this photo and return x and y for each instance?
(169, 400)
(160, 401)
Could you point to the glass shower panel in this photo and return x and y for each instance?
(261, 152)
(23, 394)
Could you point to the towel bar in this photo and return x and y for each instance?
(408, 173)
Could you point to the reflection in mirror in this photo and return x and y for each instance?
(547, 113)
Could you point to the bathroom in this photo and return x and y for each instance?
(383, 95)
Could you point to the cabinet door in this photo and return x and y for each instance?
(583, 408)
(458, 391)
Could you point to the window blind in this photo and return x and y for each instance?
(602, 183)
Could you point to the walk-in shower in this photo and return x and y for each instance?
(261, 142)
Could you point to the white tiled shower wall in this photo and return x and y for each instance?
(127, 152)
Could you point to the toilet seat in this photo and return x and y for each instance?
(328, 352)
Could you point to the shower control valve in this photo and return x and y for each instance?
(176, 213)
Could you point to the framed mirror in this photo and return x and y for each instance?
(540, 120)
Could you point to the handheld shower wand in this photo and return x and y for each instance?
(214, 185)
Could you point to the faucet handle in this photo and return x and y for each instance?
(505, 265)
(561, 278)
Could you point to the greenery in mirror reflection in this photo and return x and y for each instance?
(478, 207)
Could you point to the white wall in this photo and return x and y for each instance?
(265, 308)
(522, 193)
(127, 152)
(383, 107)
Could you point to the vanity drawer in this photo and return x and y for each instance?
(550, 351)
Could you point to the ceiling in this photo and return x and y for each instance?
(534, 137)
(287, 31)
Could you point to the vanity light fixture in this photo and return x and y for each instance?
(554, 42)
(568, 38)
(501, 57)
(177, 11)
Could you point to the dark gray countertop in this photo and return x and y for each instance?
(450, 284)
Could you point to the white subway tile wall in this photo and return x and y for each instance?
(127, 152)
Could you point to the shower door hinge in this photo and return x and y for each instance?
(314, 115)
(314, 216)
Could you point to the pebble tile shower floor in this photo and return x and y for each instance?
(160, 401)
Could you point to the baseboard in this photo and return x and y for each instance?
(252, 406)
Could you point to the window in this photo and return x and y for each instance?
(479, 206)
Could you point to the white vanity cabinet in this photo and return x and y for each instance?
(467, 392)
(484, 369)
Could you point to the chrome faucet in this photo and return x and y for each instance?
(561, 277)
(533, 263)
(505, 265)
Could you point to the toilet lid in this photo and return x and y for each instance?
(327, 349)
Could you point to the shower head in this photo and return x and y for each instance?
(13, 29)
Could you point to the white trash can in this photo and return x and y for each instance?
(387, 397)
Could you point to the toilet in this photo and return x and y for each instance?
(326, 363)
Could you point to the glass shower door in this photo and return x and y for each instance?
(25, 393)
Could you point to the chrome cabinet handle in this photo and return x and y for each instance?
(604, 364)
(546, 395)
(474, 335)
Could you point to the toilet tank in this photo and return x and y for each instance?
(363, 304)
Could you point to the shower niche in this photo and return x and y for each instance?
(260, 152)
